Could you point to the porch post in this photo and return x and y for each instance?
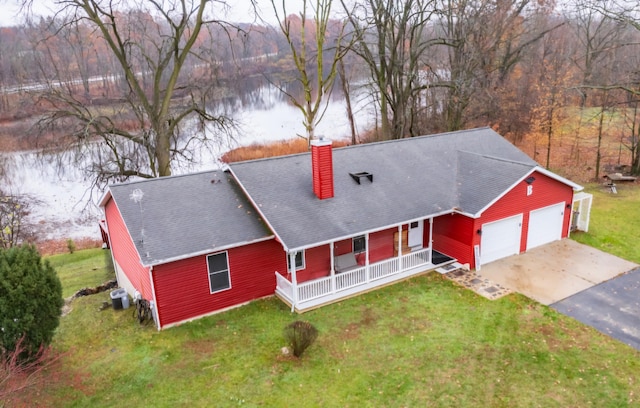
(400, 248)
(333, 267)
(430, 239)
(366, 256)
(294, 279)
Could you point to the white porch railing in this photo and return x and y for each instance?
(356, 277)
(384, 268)
(349, 279)
(414, 259)
(314, 289)
(284, 285)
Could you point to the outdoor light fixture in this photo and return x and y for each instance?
(530, 180)
(479, 232)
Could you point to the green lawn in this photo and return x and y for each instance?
(614, 226)
(422, 343)
(88, 268)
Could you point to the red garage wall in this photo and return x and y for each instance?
(452, 235)
(124, 251)
(182, 287)
(455, 234)
(546, 191)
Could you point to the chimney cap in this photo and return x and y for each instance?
(321, 142)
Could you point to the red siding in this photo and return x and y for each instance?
(456, 235)
(381, 245)
(182, 287)
(317, 264)
(124, 251)
(322, 168)
(452, 235)
(343, 247)
(426, 238)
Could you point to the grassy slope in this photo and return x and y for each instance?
(81, 269)
(424, 342)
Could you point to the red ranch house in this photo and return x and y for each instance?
(319, 227)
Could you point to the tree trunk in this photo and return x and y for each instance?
(598, 153)
(347, 98)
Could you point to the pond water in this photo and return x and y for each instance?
(66, 206)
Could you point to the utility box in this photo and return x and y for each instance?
(119, 299)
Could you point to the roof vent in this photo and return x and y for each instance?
(360, 175)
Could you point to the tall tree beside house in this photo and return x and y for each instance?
(167, 81)
(625, 14)
(485, 40)
(553, 84)
(311, 40)
(30, 301)
(392, 41)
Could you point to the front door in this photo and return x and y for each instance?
(416, 232)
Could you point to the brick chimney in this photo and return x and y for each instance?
(322, 168)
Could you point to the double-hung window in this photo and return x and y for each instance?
(299, 261)
(219, 278)
(359, 244)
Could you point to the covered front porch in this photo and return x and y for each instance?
(360, 269)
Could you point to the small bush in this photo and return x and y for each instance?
(299, 336)
(71, 246)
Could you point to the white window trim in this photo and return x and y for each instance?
(353, 246)
(304, 263)
(211, 291)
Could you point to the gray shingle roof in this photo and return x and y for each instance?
(412, 178)
(181, 216)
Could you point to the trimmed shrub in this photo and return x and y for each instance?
(299, 336)
(30, 301)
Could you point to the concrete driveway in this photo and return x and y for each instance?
(612, 307)
(555, 271)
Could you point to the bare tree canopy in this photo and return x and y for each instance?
(310, 42)
(164, 71)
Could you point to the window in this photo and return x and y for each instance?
(299, 261)
(219, 278)
(359, 244)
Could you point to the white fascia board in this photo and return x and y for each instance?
(370, 231)
(550, 174)
(105, 198)
(576, 187)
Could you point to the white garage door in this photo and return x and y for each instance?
(500, 239)
(545, 225)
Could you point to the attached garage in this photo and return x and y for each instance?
(500, 239)
(545, 225)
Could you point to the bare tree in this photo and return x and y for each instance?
(392, 40)
(310, 42)
(142, 130)
(485, 40)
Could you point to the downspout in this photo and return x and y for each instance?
(294, 280)
(155, 302)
